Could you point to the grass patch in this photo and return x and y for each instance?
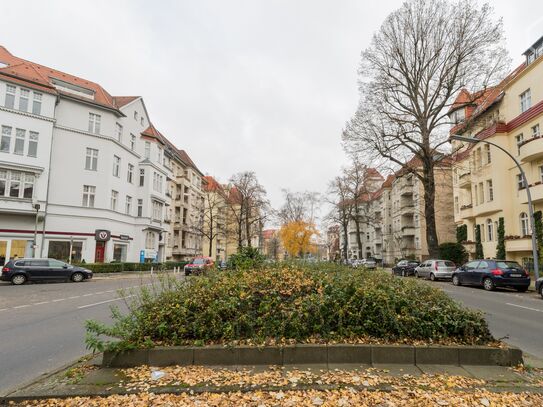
(295, 303)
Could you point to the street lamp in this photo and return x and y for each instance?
(525, 182)
(37, 208)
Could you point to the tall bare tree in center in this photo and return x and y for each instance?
(423, 55)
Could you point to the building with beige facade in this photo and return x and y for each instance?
(214, 220)
(487, 184)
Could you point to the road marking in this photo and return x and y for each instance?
(103, 302)
(74, 297)
(41, 303)
(86, 295)
(521, 306)
(21, 306)
(109, 291)
(3, 309)
(59, 299)
(99, 292)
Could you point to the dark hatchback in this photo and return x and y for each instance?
(405, 268)
(22, 270)
(490, 273)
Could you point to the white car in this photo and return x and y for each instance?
(435, 269)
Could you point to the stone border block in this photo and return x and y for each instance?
(171, 356)
(216, 355)
(437, 355)
(304, 354)
(255, 356)
(347, 353)
(129, 358)
(388, 354)
(479, 355)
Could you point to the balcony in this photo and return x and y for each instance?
(406, 189)
(464, 180)
(408, 209)
(536, 190)
(466, 211)
(518, 244)
(487, 208)
(531, 149)
(408, 230)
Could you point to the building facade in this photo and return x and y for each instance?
(487, 184)
(83, 171)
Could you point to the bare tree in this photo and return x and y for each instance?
(299, 206)
(212, 223)
(338, 197)
(424, 54)
(273, 245)
(247, 203)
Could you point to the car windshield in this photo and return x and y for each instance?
(445, 263)
(508, 265)
(199, 261)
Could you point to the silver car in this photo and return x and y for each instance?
(435, 269)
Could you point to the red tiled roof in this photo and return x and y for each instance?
(153, 133)
(211, 184)
(268, 233)
(388, 182)
(121, 101)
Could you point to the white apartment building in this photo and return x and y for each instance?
(76, 161)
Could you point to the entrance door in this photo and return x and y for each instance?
(3, 251)
(99, 252)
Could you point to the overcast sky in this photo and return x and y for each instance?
(252, 85)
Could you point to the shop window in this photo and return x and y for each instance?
(119, 252)
(60, 250)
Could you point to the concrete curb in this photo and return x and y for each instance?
(305, 354)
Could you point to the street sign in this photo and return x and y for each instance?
(102, 235)
(124, 237)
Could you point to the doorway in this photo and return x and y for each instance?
(99, 252)
(3, 251)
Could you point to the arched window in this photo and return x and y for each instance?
(524, 225)
(489, 230)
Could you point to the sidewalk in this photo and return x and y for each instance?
(304, 385)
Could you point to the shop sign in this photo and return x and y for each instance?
(102, 235)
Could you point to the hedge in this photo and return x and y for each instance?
(294, 303)
(120, 267)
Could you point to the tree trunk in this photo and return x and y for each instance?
(345, 234)
(358, 238)
(429, 209)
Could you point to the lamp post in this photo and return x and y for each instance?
(37, 208)
(525, 182)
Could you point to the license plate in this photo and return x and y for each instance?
(516, 275)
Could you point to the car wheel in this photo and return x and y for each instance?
(488, 284)
(18, 279)
(522, 289)
(416, 274)
(432, 277)
(456, 281)
(404, 273)
(77, 277)
(541, 290)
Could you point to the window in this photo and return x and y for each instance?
(157, 182)
(520, 182)
(5, 141)
(61, 250)
(476, 195)
(481, 193)
(489, 190)
(3, 182)
(142, 177)
(119, 252)
(16, 184)
(479, 158)
(89, 192)
(488, 155)
(33, 144)
(147, 153)
(519, 139)
(525, 100)
(157, 210)
(130, 175)
(10, 96)
(141, 120)
(128, 205)
(119, 132)
(28, 185)
(535, 130)
(113, 203)
(36, 103)
(159, 155)
(91, 159)
(94, 123)
(482, 229)
(541, 173)
(524, 225)
(132, 142)
(490, 230)
(456, 205)
(20, 136)
(116, 165)
(135, 115)
(23, 100)
(140, 208)
(150, 240)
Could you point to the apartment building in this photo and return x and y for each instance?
(395, 226)
(80, 169)
(487, 184)
(215, 213)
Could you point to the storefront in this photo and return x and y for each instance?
(14, 249)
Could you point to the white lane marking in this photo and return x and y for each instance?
(109, 291)
(86, 295)
(521, 306)
(103, 302)
(99, 292)
(21, 306)
(74, 297)
(59, 299)
(3, 309)
(41, 303)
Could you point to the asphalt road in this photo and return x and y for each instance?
(42, 325)
(516, 318)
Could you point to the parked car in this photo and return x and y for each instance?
(198, 265)
(539, 286)
(405, 268)
(435, 269)
(22, 270)
(354, 263)
(369, 263)
(491, 273)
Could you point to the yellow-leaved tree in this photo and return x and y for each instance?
(296, 237)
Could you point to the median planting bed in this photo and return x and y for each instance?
(290, 305)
